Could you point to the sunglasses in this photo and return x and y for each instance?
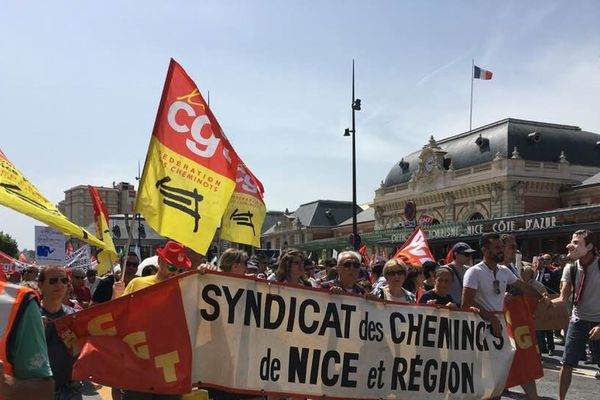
(173, 268)
(396, 273)
(53, 281)
(351, 264)
(78, 277)
(131, 264)
(497, 286)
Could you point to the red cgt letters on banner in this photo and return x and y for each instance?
(133, 334)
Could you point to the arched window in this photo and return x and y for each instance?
(475, 216)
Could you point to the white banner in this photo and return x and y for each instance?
(79, 258)
(49, 245)
(292, 341)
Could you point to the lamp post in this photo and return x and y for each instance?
(354, 238)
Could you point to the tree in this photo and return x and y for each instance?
(8, 245)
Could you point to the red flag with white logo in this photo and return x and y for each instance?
(415, 250)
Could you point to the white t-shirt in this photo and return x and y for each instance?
(481, 278)
(588, 307)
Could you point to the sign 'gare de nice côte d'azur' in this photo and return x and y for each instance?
(473, 228)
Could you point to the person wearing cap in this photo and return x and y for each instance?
(462, 258)
(172, 260)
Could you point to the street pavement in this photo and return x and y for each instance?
(584, 385)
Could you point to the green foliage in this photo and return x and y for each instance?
(8, 245)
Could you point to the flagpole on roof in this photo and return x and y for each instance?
(471, 108)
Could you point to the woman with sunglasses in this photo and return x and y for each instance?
(394, 272)
(53, 283)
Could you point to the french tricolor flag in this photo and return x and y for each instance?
(480, 73)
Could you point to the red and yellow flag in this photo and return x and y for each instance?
(108, 256)
(246, 210)
(415, 250)
(19, 194)
(190, 169)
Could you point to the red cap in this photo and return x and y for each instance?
(174, 254)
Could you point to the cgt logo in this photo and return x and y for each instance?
(202, 145)
(246, 181)
(523, 337)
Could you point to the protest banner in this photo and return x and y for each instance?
(246, 210)
(249, 336)
(527, 365)
(79, 258)
(19, 194)
(416, 249)
(49, 245)
(190, 169)
(551, 318)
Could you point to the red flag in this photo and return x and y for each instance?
(365, 256)
(415, 250)
(69, 248)
(23, 258)
(527, 364)
(450, 256)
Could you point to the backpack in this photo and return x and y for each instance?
(573, 272)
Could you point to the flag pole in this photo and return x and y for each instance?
(471, 108)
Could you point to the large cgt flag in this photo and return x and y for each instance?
(105, 257)
(19, 194)
(246, 210)
(190, 169)
(416, 249)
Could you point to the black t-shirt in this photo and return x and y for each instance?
(104, 290)
(431, 295)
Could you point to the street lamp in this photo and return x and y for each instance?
(354, 238)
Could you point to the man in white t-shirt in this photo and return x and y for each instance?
(581, 282)
(484, 287)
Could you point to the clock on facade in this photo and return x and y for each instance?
(429, 163)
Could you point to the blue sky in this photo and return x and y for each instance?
(80, 83)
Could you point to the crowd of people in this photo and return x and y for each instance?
(38, 365)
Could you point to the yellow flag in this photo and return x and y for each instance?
(190, 169)
(246, 210)
(19, 194)
(106, 258)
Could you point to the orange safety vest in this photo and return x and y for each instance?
(11, 298)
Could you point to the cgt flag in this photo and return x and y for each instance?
(416, 249)
(19, 194)
(246, 210)
(105, 257)
(190, 169)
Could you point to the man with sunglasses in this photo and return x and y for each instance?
(348, 268)
(53, 283)
(104, 291)
(172, 260)
(462, 258)
(485, 285)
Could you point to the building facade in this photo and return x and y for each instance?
(310, 223)
(77, 205)
(514, 176)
